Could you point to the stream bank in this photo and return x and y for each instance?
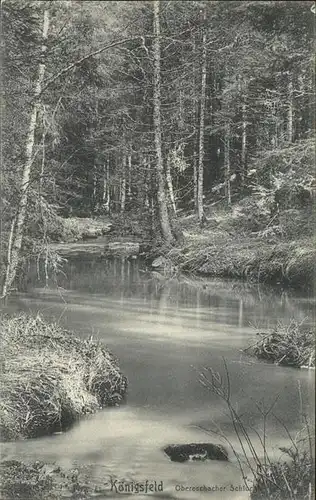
(246, 242)
(250, 240)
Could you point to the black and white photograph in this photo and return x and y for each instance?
(157, 250)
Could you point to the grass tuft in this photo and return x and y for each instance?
(50, 378)
(291, 345)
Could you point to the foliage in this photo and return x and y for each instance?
(94, 142)
(129, 225)
(51, 378)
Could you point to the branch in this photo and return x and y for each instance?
(103, 49)
(84, 58)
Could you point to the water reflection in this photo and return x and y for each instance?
(164, 332)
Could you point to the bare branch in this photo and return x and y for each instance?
(84, 58)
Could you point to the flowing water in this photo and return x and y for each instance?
(165, 332)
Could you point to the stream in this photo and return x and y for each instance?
(164, 332)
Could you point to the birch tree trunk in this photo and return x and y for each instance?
(200, 171)
(161, 195)
(17, 227)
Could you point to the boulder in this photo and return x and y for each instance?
(196, 451)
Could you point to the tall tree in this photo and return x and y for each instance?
(17, 225)
(200, 170)
(123, 184)
(161, 195)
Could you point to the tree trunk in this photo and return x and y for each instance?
(129, 176)
(123, 185)
(195, 180)
(170, 186)
(43, 152)
(106, 186)
(244, 143)
(104, 191)
(290, 111)
(146, 171)
(275, 131)
(94, 193)
(227, 162)
(240, 314)
(196, 117)
(17, 228)
(200, 172)
(161, 195)
(181, 111)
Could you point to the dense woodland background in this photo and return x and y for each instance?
(144, 110)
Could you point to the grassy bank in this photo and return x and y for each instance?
(241, 243)
(50, 378)
(291, 345)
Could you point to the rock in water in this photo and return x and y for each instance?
(196, 451)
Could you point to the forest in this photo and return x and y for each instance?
(190, 124)
(158, 198)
